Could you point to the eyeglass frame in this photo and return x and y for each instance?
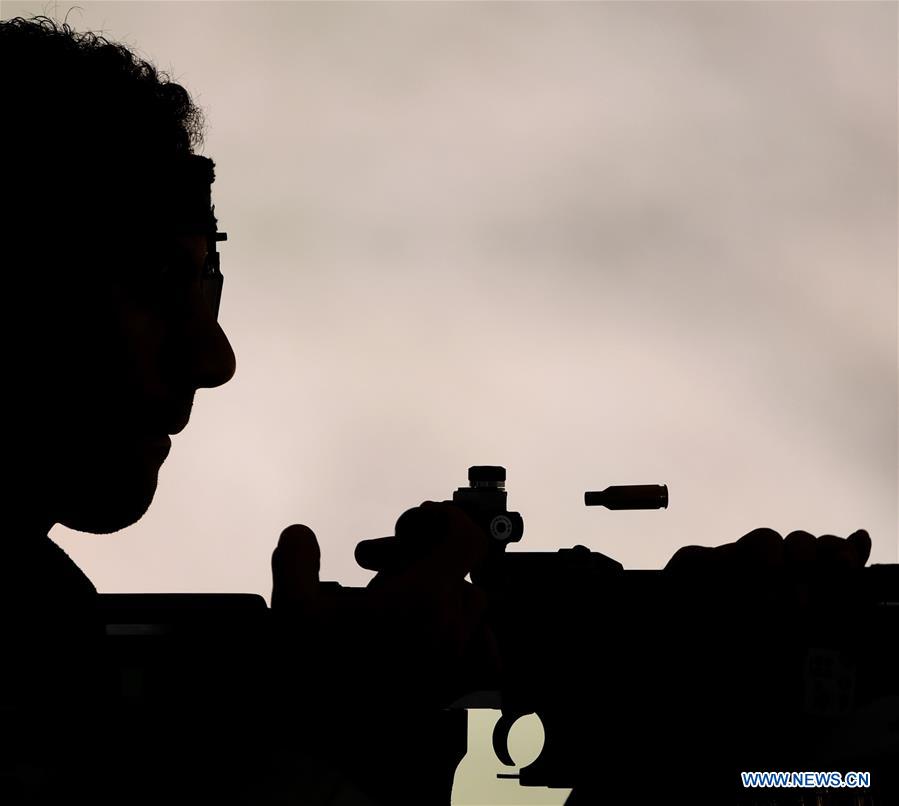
(213, 280)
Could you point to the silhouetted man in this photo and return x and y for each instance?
(111, 298)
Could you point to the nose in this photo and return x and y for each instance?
(208, 359)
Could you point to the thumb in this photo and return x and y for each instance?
(296, 562)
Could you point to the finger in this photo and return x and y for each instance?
(413, 520)
(444, 548)
(415, 533)
(805, 552)
(436, 539)
(411, 539)
(761, 550)
(459, 543)
(728, 558)
(380, 553)
(835, 553)
(860, 541)
(296, 564)
(471, 541)
(800, 551)
(691, 559)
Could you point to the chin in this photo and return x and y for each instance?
(105, 502)
(102, 517)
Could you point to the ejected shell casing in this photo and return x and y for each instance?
(635, 496)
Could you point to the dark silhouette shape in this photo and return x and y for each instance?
(113, 287)
(109, 333)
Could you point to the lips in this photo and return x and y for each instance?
(156, 446)
(172, 422)
(149, 422)
(160, 441)
(178, 425)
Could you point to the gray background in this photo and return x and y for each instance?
(597, 243)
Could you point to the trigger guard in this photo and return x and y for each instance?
(501, 732)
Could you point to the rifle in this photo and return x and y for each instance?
(645, 690)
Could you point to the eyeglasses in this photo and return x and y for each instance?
(161, 277)
(212, 279)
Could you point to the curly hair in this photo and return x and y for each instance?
(85, 123)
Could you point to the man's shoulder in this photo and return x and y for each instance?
(37, 570)
(49, 618)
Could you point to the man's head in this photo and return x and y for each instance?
(106, 222)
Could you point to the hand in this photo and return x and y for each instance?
(418, 617)
(440, 618)
(763, 557)
(764, 551)
(296, 563)
(737, 620)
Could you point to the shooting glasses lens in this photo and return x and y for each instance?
(212, 274)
